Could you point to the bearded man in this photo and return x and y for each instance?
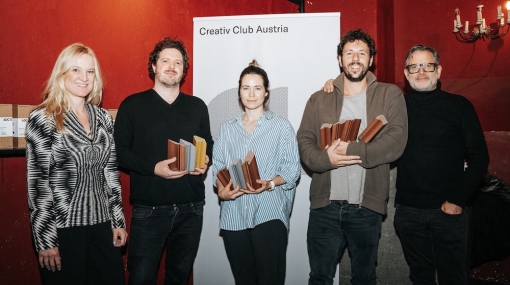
(351, 180)
(167, 204)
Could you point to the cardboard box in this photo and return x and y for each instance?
(19, 121)
(5, 126)
(113, 113)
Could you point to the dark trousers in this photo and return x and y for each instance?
(258, 256)
(178, 227)
(333, 228)
(433, 241)
(88, 257)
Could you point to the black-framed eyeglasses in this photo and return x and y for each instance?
(427, 67)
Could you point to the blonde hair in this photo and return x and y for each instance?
(55, 95)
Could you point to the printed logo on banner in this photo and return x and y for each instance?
(243, 30)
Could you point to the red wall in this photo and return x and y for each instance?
(478, 71)
(122, 33)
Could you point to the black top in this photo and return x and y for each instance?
(444, 131)
(143, 126)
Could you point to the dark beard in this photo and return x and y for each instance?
(355, 79)
(170, 83)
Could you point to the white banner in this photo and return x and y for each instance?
(298, 52)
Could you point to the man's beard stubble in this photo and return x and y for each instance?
(361, 76)
(169, 83)
(431, 85)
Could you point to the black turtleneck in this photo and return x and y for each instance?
(443, 132)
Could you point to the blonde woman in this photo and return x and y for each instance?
(74, 194)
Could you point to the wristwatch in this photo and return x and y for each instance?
(272, 186)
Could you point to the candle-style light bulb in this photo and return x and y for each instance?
(479, 14)
(508, 11)
(457, 12)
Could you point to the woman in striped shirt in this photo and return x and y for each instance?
(255, 222)
(74, 193)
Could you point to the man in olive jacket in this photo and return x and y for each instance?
(351, 180)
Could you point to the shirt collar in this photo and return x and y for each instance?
(268, 115)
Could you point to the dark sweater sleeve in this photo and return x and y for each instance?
(205, 132)
(124, 135)
(477, 156)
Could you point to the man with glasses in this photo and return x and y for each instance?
(433, 183)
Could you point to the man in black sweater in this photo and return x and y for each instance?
(433, 182)
(167, 205)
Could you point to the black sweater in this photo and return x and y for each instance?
(443, 132)
(143, 126)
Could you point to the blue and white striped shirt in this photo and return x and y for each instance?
(274, 144)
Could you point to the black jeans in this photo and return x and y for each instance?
(88, 257)
(178, 227)
(433, 240)
(258, 256)
(333, 228)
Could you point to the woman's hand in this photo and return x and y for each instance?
(50, 259)
(265, 185)
(225, 193)
(119, 237)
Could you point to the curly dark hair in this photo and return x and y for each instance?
(355, 35)
(165, 43)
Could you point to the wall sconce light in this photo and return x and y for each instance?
(483, 31)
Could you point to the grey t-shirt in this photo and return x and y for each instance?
(347, 181)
